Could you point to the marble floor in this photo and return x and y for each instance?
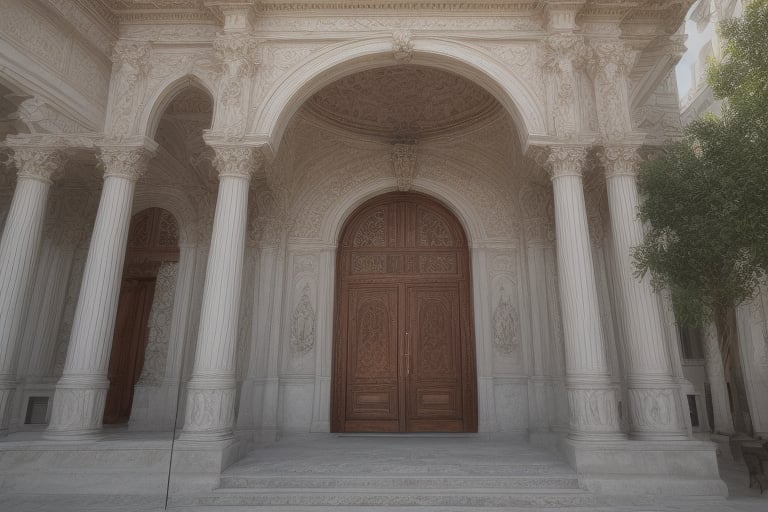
(339, 464)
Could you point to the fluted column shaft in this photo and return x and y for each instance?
(591, 396)
(654, 401)
(210, 408)
(78, 404)
(19, 249)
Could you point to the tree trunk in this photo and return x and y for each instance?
(725, 323)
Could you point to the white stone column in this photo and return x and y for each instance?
(19, 249)
(211, 393)
(591, 396)
(78, 403)
(713, 365)
(654, 400)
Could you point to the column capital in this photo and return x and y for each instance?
(610, 57)
(620, 160)
(237, 161)
(43, 163)
(126, 161)
(560, 160)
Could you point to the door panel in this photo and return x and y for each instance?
(403, 349)
(372, 376)
(434, 345)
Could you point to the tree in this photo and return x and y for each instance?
(705, 199)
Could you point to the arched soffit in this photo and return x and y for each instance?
(331, 64)
(165, 94)
(338, 216)
(174, 202)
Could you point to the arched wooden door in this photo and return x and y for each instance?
(404, 355)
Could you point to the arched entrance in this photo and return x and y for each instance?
(403, 355)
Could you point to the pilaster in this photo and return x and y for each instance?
(210, 410)
(654, 398)
(591, 396)
(36, 168)
(78, 405)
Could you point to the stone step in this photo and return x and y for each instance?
(401, 482)
(351, 497)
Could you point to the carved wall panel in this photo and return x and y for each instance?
(159, 326)
(505, 315)
(301, 327)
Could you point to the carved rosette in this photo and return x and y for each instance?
(566, 161)
(620, 160)
(128, 163)
(238, 55)
(609, 66)
(404, 165)
(131, 68)
(237, 161)
(402, 46)
(563, 55)
(44, 164)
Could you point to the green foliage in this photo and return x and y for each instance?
(706, 198)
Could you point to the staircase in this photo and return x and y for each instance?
(454, 473)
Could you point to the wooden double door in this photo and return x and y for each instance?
(403, 345)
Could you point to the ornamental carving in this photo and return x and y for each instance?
(373, 339)
(128, 163)
(131, 68)
(563, 54)
(566, 161)
(159, 326)
(653, 408)
(620, 160)
(238, 55)
(402, 46)
(404, 165)
(593, 409)
(237, 161)
(303, 324)
(435, 335)
(39, 163)
(506, 325)
(371, 232)
(432, 230)
(609, 66)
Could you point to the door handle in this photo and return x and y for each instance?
(407, 354)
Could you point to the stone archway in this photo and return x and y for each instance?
(404, 355)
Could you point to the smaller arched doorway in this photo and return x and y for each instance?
(152, 240)
(404, 352)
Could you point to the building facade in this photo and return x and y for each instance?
(295, 217)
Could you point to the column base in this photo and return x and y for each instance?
(671, 468)
(78, 408)
(198, 464)
(210, 412)
(7, 390)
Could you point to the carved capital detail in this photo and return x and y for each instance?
(237, 161)
(44, 164)
(620, 160)
(129, 163)
(404, 165)
(239, 50)
(566, 161)
(402, 46)
(609, 66)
